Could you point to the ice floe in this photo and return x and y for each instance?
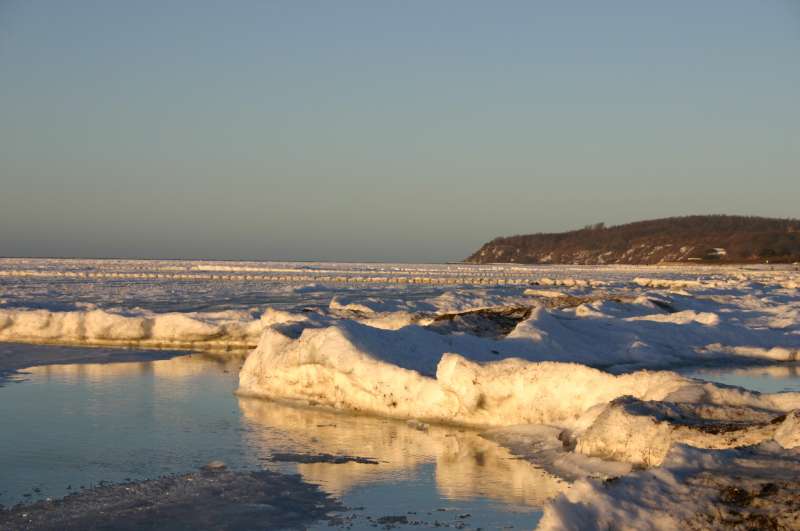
(415, 372)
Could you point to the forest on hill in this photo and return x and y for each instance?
(712, 238)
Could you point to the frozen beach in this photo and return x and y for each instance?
(651, 397)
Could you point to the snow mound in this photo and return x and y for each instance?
(642, 432)
(642, 335)
(417, 373)
(684, 317)
(217, 330)
(754, 487)
(369, 306)
(410, 373)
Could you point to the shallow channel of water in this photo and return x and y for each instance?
(72, 426)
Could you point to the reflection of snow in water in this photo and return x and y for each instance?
(466, 464)
(79, 424)
(766, 379)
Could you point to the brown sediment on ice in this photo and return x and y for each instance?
(321, 458)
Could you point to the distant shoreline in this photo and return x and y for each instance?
(711, 239)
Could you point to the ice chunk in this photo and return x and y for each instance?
(749, 488)
(415, 373)
(642, 432)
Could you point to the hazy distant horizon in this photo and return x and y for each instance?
(279, 259)
(408, 132)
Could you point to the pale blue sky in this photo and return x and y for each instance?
(377, 130)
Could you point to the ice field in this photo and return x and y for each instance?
(583, 372)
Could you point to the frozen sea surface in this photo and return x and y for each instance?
(190, 286)
(581, 372)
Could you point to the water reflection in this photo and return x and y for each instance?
(77, 425)
(766, 379)
(73, 425)
(178, 368)
(466, 465)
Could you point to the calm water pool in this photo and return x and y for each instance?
(68, 426)
(766, 379)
